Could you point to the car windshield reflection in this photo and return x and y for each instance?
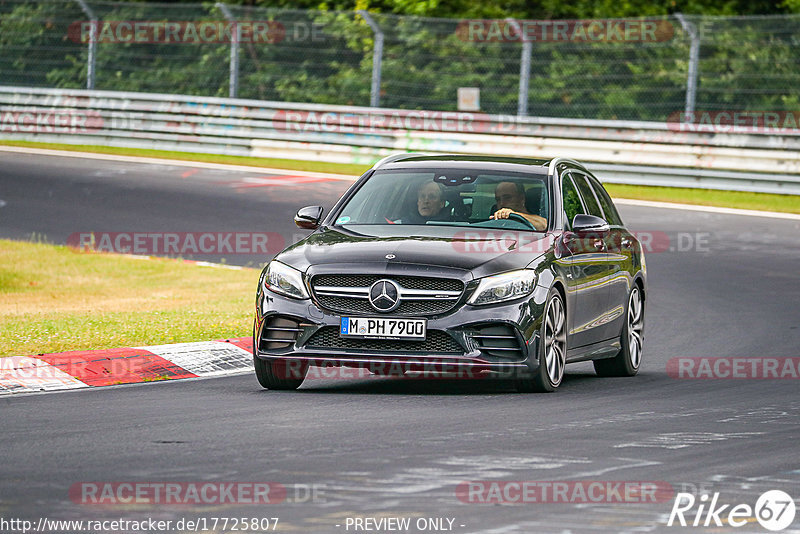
(450, 198)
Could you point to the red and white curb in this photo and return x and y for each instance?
(96, 368)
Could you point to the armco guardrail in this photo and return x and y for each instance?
(645, 153)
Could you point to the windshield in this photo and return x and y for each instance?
(450, 197)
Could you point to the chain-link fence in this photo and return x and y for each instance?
(633, 69)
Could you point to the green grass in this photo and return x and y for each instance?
(53, 299)
(705, 197)
(708, 197)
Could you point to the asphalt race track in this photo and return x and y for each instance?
(401, 447)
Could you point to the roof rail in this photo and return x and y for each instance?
(551, 167)
(395, 157)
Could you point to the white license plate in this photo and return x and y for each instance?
(383, 328)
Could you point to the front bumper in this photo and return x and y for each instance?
(472, 338)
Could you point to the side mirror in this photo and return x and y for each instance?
(309, 217)
(583, 224)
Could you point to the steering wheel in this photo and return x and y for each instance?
(519, 218)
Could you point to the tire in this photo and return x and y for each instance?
(280, 374)
(277, 374)
(629, 358)
(552, 348)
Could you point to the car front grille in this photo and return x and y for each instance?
(407, 308)
(409, 282)
(436, 341)
(433, 296)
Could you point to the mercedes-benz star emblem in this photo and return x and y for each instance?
(384, 295)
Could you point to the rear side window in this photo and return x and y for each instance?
(612, 215)
(572, 202)
(587, 195)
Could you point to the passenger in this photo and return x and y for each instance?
(430, 204)
(429, 200)
(510, 198)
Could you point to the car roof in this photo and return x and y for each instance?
(498, 163)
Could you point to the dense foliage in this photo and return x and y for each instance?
(325, 55)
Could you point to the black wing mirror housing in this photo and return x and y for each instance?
(309, 218)
(583, 224)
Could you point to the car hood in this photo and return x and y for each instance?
(482, 252)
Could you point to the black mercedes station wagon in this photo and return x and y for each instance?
(457, 264)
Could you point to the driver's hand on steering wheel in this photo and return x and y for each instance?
(535, 221)
(502, 213)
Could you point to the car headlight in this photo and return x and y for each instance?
(285, 280)
(502, 287)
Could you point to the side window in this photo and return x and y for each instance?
(572, 202)
(612, 215)
(587, 195)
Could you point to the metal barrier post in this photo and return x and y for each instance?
(92, 59)
(377, 59)
(694, 58)
(233, 86)
(524, 70)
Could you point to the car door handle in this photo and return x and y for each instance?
(626, 243)
(598, 244)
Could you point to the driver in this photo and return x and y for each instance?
(510, 198)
